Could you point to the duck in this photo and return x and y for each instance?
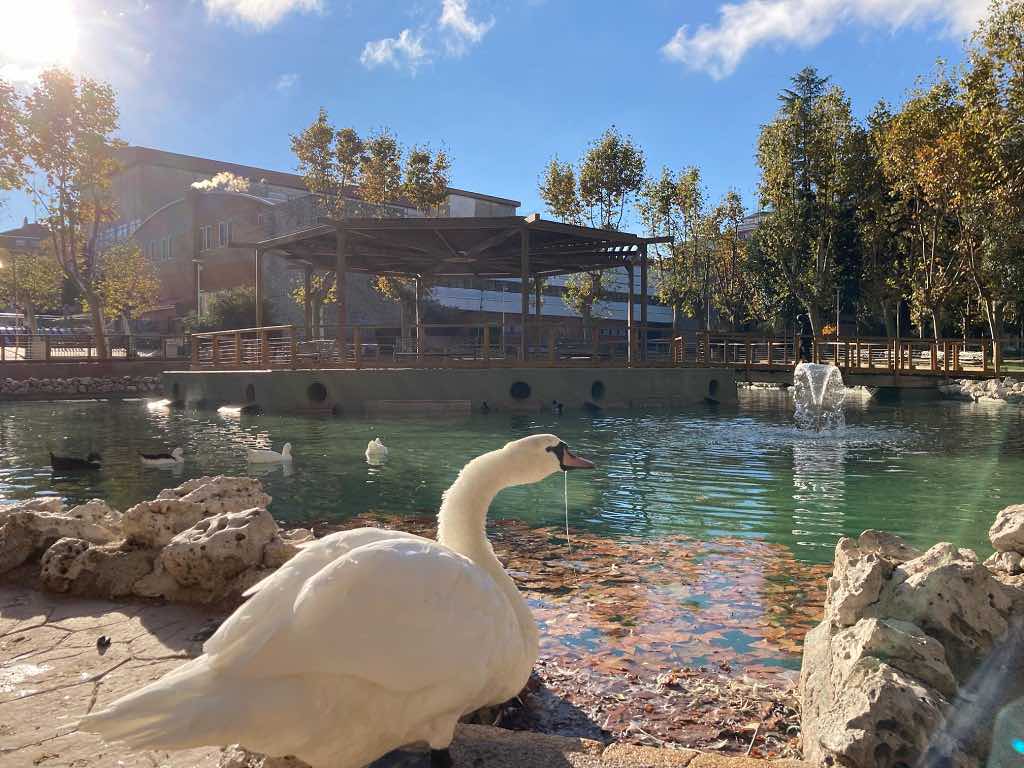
(74, 464)
(177, 456)
(366, 641)
(266, 456)
(376, 451)
(556, 407)
(485, 408)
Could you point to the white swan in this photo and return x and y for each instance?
(376, 451)
(366, 641)
(263, 456)
(177, 456)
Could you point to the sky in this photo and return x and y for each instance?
(503, 85)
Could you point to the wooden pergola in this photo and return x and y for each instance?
(420, 248)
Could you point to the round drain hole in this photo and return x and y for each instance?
(520, 390)
(316, 392)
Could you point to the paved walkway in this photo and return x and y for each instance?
(51, 673)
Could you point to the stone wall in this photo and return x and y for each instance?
(1007, 390)
(918, 653)
(78, 387)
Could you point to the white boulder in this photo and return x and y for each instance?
(154, 523)
(1007, 532)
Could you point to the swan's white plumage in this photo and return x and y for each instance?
(365, 641)
(267, 456)
(376, 451)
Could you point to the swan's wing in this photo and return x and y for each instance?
(404, 614)
(270, 601)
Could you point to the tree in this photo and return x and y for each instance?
(805, 183)
(12, 146)
(128, 285)
(318, 162)
(380, 168)
(610, 175)
(30, 282)
(69, 127)
(730, 265)
(920, 166)
(659, 214)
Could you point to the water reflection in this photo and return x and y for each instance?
(706, 472)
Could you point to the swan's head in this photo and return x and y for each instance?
(178, 454)
(533, 458)
(287, 450)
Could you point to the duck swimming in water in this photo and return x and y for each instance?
(74, 464)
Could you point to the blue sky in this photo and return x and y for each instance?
(503, 84)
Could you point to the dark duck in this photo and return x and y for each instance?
(74, 464)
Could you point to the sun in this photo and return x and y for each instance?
(35, 34)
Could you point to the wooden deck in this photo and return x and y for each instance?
(484, 346)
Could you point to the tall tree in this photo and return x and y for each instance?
(919, 165)
(30, 282)
(805, 183)
(12, 145)
(730, 264)
(659, 215)
(610, 176)
(128, 285)
(69, 126)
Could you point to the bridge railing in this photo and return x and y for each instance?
(856, 354)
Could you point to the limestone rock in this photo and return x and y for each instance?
(228, 494)
(97, 511)
(51, 504)
(955, 599)
(1010, 563)
(856, 583)
(898, 643)
(17, 543)
(1007, 532)
(217, 549)
(83, 569)
(48, 527)
(285, 546)
(237, 756)
(184, 489)
(155, 523)
(888, 546)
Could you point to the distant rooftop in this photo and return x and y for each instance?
(130, 156)
(27, 229)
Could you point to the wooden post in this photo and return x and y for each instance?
(487, 341)
(238, 350)
(307, 289)
(984, 356)
(46, 347)
(294, 346)
(418, 317)
(749, 351)
(258, 262)
(935, 355)
(643, 301)
(537, 291)
(630, 321)
(216, 351)
(707, 348)
(524, 279)
(340, 270)
(195, 350)
(997, 355)
(357, 347)
(551, 345)
(264, 357)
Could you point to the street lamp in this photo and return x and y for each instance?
(199, 293)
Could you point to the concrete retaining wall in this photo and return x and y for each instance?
(374, 390)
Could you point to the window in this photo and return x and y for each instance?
(165, 249)
(260, 221)
(205, 237)
(223, 233)
(151, 250)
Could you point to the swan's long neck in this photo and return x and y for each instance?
(462, 526)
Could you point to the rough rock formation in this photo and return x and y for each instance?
(207, 540)
(899, 672)
(1007, 390)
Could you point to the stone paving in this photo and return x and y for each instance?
(52, 672)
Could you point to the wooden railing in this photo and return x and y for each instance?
(859, 355)
(476, 346)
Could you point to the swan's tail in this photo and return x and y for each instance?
(172, 713)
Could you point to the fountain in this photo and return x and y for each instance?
(818, 392)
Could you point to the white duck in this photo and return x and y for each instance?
(265, 456)
(366, 641)
(376, 451)
(177, 456)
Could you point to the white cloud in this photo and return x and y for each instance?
(405, 51)
(260, 13)
(743, 26)
(461, 30)
(286, 81)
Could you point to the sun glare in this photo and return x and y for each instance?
(35, 34)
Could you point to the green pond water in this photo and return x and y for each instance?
(935, 471)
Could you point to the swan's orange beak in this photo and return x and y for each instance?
(571, 461)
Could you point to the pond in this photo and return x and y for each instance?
(703, 537)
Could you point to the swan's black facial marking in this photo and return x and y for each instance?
(566, 459)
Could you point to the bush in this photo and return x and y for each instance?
(227, 311)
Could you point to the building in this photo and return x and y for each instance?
(24, 238)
